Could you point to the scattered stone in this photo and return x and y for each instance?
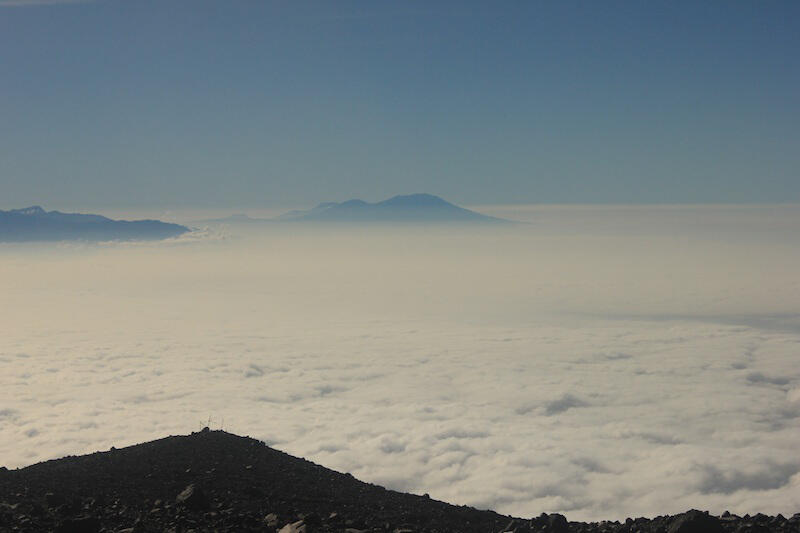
(557, 523)
(271, 520)
(192, 497)
(294, 527)
(695, 521)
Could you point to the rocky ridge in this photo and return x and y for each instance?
(216, 481)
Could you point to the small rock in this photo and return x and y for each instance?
(192, 497)
(294, 527)
(557, 523)
(760, 518)
(539, 521)
(271, 520)
(695, 521)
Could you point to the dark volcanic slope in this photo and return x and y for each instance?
(36, 224)
(243, 481)
(215, 481)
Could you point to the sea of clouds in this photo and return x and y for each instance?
(601, 362)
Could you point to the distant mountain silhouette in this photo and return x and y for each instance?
(408, 208)
(36, 224)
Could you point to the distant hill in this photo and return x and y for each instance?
(217, 481)
(408, 208)
(214, 481)
(36, 224)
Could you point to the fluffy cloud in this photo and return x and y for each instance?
(483, 369)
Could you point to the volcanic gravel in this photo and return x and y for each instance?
(216, 481)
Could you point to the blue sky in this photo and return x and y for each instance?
(257, 103)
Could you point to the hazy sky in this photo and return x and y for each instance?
(257, 103)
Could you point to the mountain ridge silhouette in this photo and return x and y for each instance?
(34, 223)
(418, 207)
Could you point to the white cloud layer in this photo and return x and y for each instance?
(600, 362)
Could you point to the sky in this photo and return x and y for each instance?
(279, 103)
